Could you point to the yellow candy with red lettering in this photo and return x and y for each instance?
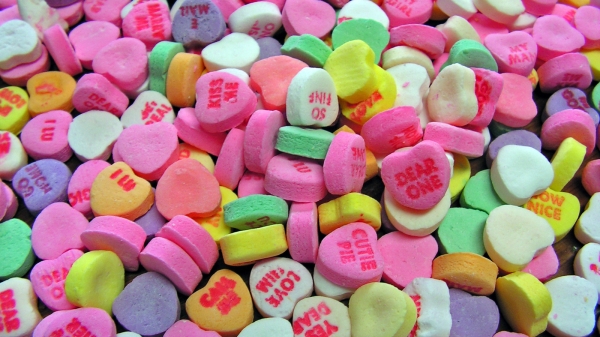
(13, 109)
(51, 90)
(352, 207)
(560, 209)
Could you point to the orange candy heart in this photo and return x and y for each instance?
(51, 90)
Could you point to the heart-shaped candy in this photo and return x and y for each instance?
(20, 44)
(271, 77)
(198, 23)
(15, 247)
(560, 209)
(19, 307)
(123, 62)
(514, 52)
(308, 17)
(226, 53)
(587, 263)
(42, 183)
(13, 109)
(573, 302)
(274, 326)
(473, 316)
(587, 228)
(56, 230)
(148, 108)
(45, 136)
(419, 177)
(312, 99)
(315, 314)
(51, 90)
(12, 155)
(93, 134)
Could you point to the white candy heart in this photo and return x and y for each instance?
(451, 103)
(12, 155)
(520, 172)
(513, 236)
(573, 302)
(321, 316)
(93, 134)
(412, 85)
(432, 298)
(277, 284)
(19, 44)
(257, 19)
(312, 99)
(462, 8)
(587, 263)
(363, 10)
(235, 50)
(268, 327)
(149, 107)
(324, 287)
(241, 74)
(39, 15)
(587, 228)
(18, 306)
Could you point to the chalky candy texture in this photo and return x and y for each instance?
(307, 143)
(569, 98)
(15, 247)
(42, 183)
(255, 211)
(57, 229)
(517, 137)
(473, 316)
(198, 23)
(462, 231)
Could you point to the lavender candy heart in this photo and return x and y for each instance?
(151, 222)
(516, 137)
(473, 316)
(42, 183)
(569, 98)
(268, 47)
(60, 3)
(148, 305)
(198, 23)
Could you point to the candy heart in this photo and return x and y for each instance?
(187, 188)
(15, 246)
(226, 53)
(312, 99)
(19, 307)
(419, 177)
(149, 149)
(587, 264)
(95, 92)
(318, 314)
(266, 327)
(198, 23)
(51, 90)
(12, 155)
(473, 316)
(271, 77)
(462, 231)
(100, 32)
(479, 193)
(224, 305)
(515, 52)
(277, 285)
(42, 183)
(81, 183)
(123, 62)
(56, 230)
(432, 299)
(118, 191)
(149, 23)
(587, 228)
(367, 30)
(188, 328)
(40, 15)
(573, 302)
(13, 109)
(560, 209)
(513, 236)
(48, 280)
(520, 172)
(21, 44)
(406, 257)
(224, 101)
(349, 256)
(308, 17)
(93, 134)
(148, 108)
(448, 103)
(45, 136)
(91, 321)
(543, 266)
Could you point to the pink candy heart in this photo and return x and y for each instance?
(515, 52)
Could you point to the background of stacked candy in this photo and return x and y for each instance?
(566, 249)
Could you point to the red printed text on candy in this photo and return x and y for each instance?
(483, 89)
(570, 80)
(314, 322)
(221, 295)
(360, 109)
(97, 6)
(73, 329)
(404, 6)
(260, 222)
(47, 134)
(124, 181)
(26, 188)
(79, 196)
(55, 280)
(153, 113)
(220, 91)
(520, 54)
(4, 144)
(358, 155)
(539, 205)
(257, 32)
(419, 179)
(153, 21)
(301, 167)
(47, 89)
(575, 102)
(417, 300)
(194, 10)
(8, 312)
(279, 283)
(8, 100)
(215, 220)
(358, 249)
(594, 267)
(406, 137)
(95, 102)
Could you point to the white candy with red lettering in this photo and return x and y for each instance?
(19, 313)
(268, 327)
(12, 155)
(257, 19)
(93, 134)
(148, 108)
(321, 316)
(277, 284)
(587, 228)
(363, 10)
(432, 298)
(312, 99)
(573, 302)
(20, 44)
(587, 264)
(132, 4)
(324, 287)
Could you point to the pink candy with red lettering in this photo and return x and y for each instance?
(295, 179)
(586, 18)
(488, 87)
(48, 280)
(149, 22)
(123, 62)
(349, 256)
(95, 92)
(90, 37)
(515, 107)
(118, 235)
(230, 167)
(514, 52)
(407, 12)
(308, 17)
(45, 136)
(61, 50)
(454, 139)
(392, 129)
(81, 183)
(260, 139)
(567, 70)
(345, 164)
(224, 101)
(167, 258)
(569, 123)
(417, 254)
(189, 130)
(544, 265)
(302, 231)
(251, 183)
(148, 149)
(82, 321)
(419, 177)
(99, 10)
(20, 74)
(193, 239)
(555, 36)
(57, 229)
(424, 38)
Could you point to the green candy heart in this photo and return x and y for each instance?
(310, 143)
(461, 231)
(158, 63)
(307, 48)
(479, 193)
(15, 249)
(472, 54)
(371, 32)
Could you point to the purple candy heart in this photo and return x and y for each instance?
(42, 183)
(473, 316)
(516, 137)
(148, 305)
(151, 222)
(569, 98)
(198, 23)
(268, 47)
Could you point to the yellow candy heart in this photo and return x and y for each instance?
(566, 161)
(13, 109)
(215, 225)
(460, 176)
(352, 207)
(351, 67)
(560, 209)
(51, 90)
(241, 248)
(118, 191)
